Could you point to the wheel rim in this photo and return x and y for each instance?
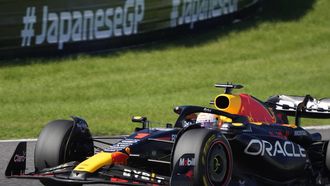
(217, 163)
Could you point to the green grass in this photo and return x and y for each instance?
(285, 50)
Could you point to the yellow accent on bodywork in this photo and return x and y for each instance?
(257, 123)
(95, 162)
(237, 124)
(224, 119)
(289, 125)
(234, 105)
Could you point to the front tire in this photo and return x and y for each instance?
(60, 142)
(202, 157)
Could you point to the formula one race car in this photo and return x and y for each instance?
(242, 141)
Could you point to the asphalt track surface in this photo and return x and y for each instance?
(8, 148)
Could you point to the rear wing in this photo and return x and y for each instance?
(301, 106)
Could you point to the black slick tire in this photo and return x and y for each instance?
(212, 157)
(50, 148)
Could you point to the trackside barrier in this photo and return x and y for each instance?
(44, 27)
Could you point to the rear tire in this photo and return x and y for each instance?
(327, 159)
(212, 160)
(60, 142)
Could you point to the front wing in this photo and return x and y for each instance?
(114, 174)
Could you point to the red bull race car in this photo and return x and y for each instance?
(242, 141)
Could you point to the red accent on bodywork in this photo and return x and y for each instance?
(280, 134)
(167, 138)
(118, 180)
(190, 174)
(141, 135)
(279, 117)
(119, 158)
(254, 110)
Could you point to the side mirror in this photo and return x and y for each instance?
(139, 119)
(169, 125)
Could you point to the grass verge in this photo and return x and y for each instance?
(285, 50)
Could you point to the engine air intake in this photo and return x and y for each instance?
(222, 102)
(228, 102)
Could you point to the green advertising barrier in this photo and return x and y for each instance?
(43, 27)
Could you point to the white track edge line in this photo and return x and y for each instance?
(17, 140)
(35, 139)
(322, 127)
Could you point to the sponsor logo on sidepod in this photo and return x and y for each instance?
(258, 147)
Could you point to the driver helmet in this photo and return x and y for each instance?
(207, 120)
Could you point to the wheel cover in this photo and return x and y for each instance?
(217, 163)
